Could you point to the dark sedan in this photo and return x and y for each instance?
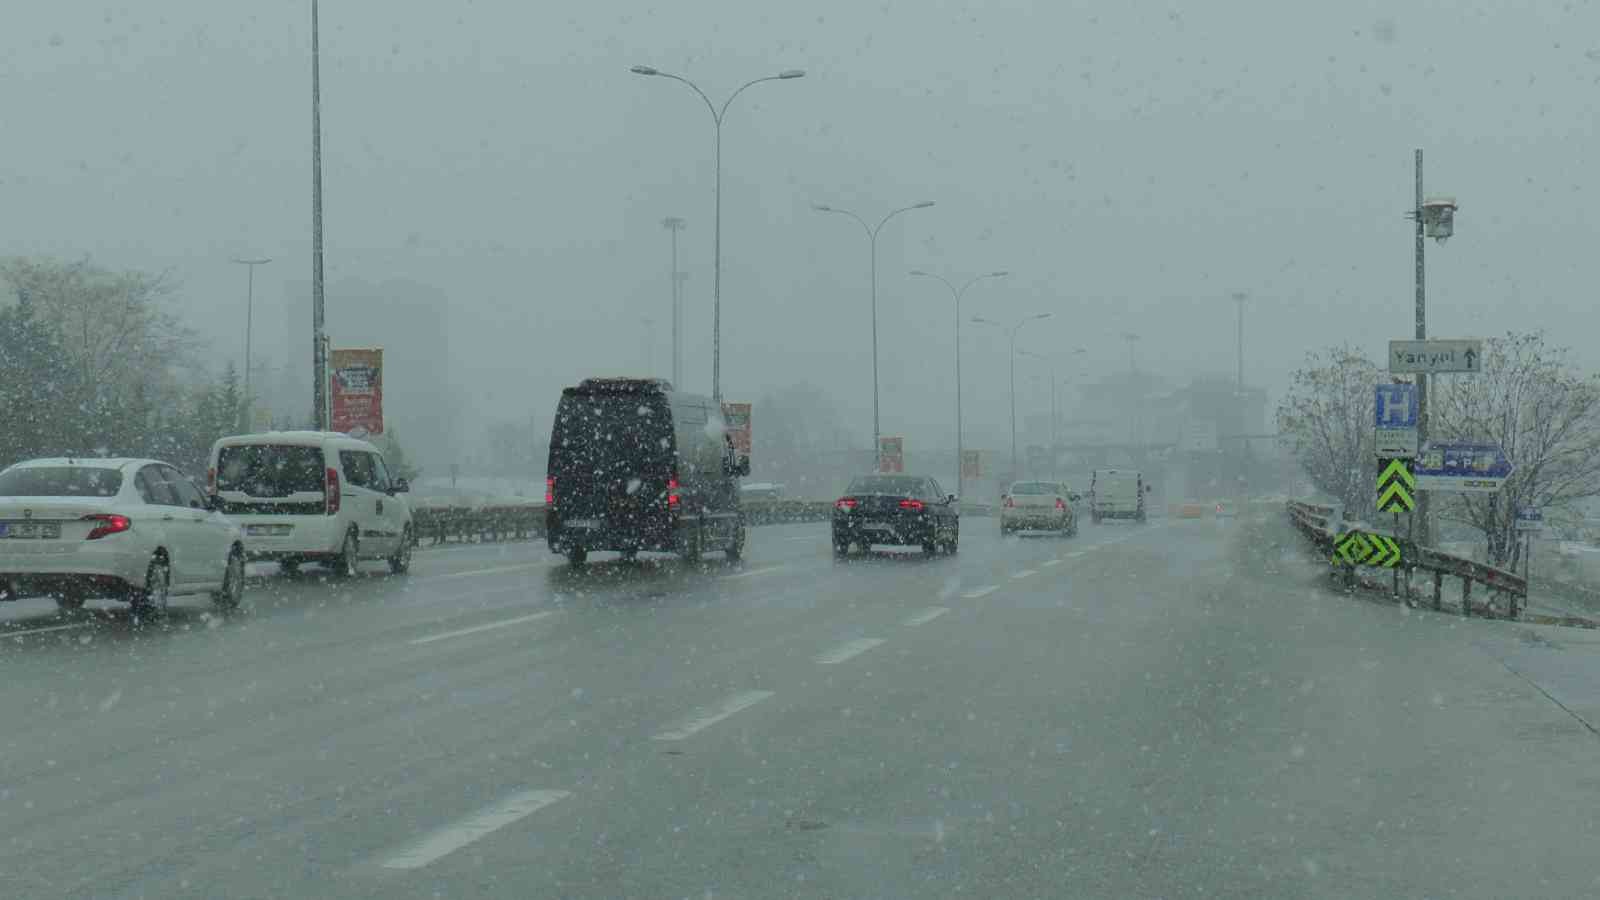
(908, 510)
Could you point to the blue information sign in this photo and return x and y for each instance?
(1481, 468)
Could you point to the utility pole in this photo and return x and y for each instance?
(249, 318)
(319, 349)
(1133, 387)
(675, 225)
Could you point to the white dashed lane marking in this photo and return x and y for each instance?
(926, 616)
(847, 651)
(1052, 562)
(705, 717)
(27, 631)
(490, 626)
(1025, 573)
(980, 592)
(491, 818)
(495, 570)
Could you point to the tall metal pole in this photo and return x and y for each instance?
(319, 358)
(872, 246)
(249, 319)
(957, 294)
(674, 225)
(1239, 298)
(717, 115)
(1421, 515)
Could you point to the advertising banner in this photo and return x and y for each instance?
(737, 417)
(891, 455)
(356, 392)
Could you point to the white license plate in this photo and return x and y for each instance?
(583, 523)
(876, 527)
(268, 530)
(30, 530)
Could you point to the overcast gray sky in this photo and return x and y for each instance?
(1133, 163)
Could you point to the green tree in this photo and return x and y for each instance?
(38, 387)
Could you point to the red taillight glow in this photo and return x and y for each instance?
(846, 504)
(672, 492)
(1060, 504)
(107, 524)
(332, 493)
(211, 480)
(549, 491)
(913, 505)
(1009, 504)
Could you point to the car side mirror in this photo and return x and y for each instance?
(401, 486)
(1074, 497)
(950, 498)
(214, 502)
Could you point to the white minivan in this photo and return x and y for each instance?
(312, 496)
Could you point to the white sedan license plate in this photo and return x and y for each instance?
(583, 523)
(30, 530)
(268, 530)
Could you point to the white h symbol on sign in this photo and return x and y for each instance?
(1394, 406)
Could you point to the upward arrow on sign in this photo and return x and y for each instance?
(1472, 360)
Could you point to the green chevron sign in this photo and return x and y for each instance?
(1358, 548)
(1397, 487)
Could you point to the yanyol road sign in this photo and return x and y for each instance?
(1430, 357)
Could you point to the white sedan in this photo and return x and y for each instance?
(136, 530)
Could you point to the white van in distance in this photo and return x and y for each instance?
(312, 496)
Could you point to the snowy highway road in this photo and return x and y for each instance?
(1166, 710)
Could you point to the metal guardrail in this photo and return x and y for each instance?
(1315, 522)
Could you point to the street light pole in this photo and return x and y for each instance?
(1239, 298)
(319, 343)
(1436, 219)
(675, 225)
(249, 319)
(956, 294)
(717, 116)
(872, 241)
(1012, 334)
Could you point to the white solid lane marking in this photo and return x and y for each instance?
(1076, 553)
(503, 623)
(496, 570)
(708, 716)
(1025, 573)
(749, 572)
(926, 616)
(28, 631)
(1052, 562)
(847, 651)
(980, 592)
(453, 837)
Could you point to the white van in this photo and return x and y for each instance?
(1117, 494)
(312, 496)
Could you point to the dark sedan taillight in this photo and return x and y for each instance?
(913, 505)
(845, 504)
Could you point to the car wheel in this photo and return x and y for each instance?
(577, 555)
(736, 549)
(345, 564)
(841, 549)
(151, 598)
(232, 592)
(400, 562)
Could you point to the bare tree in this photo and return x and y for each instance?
(1530, 399)
(1327, 419)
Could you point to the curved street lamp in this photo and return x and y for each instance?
(717, 116)
(956, 293)
(1012, 334)
(872, 239)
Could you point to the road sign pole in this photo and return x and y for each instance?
(1397, 568)
(1422, 378)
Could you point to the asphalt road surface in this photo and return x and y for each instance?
(1168, 710)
